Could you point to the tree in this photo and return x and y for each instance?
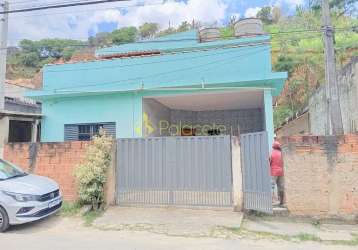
(28, 45)
(285, 63)
(276, 14)
(342, 7)
(124, 35)
(232, 20)
(166, 32)
(148, 30)
(184, 26)
(100, 39)
(265, 14)
(30, 59)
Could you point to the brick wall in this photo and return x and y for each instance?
(54, 160)
(321, 174)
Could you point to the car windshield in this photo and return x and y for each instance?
(8, 171)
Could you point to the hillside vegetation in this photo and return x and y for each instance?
(297, 48)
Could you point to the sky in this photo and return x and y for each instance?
(81, 22)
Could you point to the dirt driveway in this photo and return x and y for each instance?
(70, 233)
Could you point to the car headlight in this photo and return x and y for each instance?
(21, 197)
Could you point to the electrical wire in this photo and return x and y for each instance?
(184, 39)
(87, 10)
(65, 5)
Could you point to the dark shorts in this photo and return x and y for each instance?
(280, 182)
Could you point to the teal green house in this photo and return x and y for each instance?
(169, 86)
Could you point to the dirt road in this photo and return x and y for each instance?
(58, 233)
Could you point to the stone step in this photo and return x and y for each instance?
(280, 211)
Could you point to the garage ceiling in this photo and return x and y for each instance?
(246, 99)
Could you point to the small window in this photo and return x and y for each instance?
(85, 132)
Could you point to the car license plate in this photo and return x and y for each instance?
(54, 203)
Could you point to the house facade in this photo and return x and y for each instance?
(169, 86)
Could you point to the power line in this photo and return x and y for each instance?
(189, 39)
(88, 10)
(60, 6)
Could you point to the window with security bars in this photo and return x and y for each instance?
(85, 132)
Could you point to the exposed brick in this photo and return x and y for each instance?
(54, 160)
(321, 175)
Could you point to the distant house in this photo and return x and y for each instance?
(175, 85)
(20, 119)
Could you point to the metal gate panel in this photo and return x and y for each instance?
(256, 172)
(190, 171)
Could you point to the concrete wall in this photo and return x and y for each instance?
(4, 133)
(321, 175)
(18, 92)
(156, 113)
(298, 126)
(249, 120)
(348, 87)
(237, 177)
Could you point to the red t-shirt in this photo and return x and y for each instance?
(276, 163)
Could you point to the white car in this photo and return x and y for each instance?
(25, 197)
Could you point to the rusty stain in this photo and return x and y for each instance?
(33, 149)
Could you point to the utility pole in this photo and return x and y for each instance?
(334, 116)
(3, 51)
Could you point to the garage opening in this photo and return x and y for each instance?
(205, 114)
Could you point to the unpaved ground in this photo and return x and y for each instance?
(169, 220)
(70, 234)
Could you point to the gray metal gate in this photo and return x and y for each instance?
(189, 171)
(256, 172)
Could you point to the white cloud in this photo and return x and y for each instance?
(173, 12)
(61, 23)
(252, 12)
(291, 4)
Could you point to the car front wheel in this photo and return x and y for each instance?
(4, 220)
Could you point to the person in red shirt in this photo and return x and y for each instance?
(277, 173)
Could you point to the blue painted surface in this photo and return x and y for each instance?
(112, 90)
(124, 109)
(269, 125)
(248, 66)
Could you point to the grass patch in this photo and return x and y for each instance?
(306, 237)
(70, 209)
(353, 242)
(296, 238)
(91, 216)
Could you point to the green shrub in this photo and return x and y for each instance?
(91, 174)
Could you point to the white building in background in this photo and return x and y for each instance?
(20, 119)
